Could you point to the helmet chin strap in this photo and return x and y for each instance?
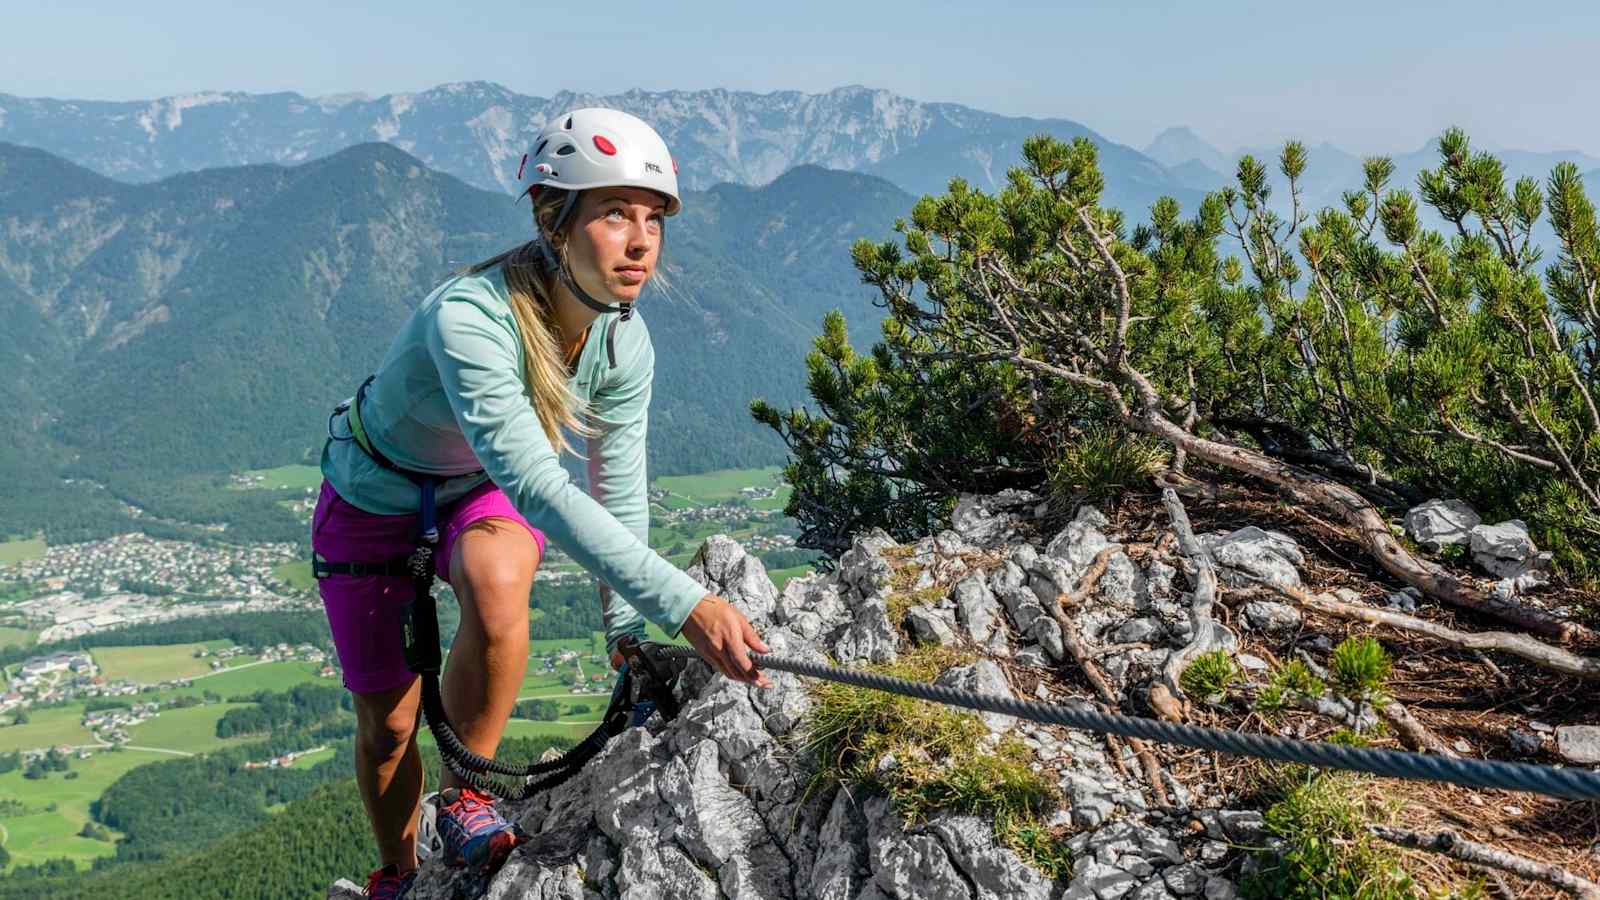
(584, 297)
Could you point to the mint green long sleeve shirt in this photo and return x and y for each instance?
(449, 398)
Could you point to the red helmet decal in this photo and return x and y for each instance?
(674, 167)
(605, 146)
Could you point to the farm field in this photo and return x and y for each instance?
(296, 574)
(47, 728)
(43, 833)
(16, 637)
(17, 551)
(294, 477)
(155, 663)
(190, 730)
(714, 487)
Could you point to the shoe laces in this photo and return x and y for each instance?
(472, 809)
(386, 883)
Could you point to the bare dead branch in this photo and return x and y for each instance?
(1456, 847)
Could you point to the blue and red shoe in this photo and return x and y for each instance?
(388, 884)
(473, 832)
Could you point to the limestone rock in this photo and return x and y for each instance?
(1440, 523)
(930, 626)
(976, 608)
(723, 566)
(1268, 555)
(1579, 744)
(1271, 617)
(995, 872)
(1503, 549)
(989, 521)
(981, 677)
(870, 637)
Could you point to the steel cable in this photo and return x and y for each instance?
(1570, 783)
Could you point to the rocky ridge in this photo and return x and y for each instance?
(716, 803)
(479, 130)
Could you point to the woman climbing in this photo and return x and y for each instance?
(479, 392)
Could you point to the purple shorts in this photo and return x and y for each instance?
(364, 611)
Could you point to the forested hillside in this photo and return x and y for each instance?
(206, 323)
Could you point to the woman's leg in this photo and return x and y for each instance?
(389, 770)
(492, 565)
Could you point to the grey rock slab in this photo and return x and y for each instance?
(1007, 575)
(1048, 634)
(988, 521)
(1022, 605)
(863, 567)
(1503, 548)
(1524, 743)
(1439, 523)
(995, 872)
(916, 866)
(981, 677)
(976, 607)
(763, 873)
(1219, 888)
(1105, 881)
(1030, 656)
(1273, 618)
(1185, 880)
(524, 879)
(841, 869)
(723, 566)
(1579, 744)
(1077, 544)
(929, 626)
(1158, 580)
(1089, 515)
(651, 870)
(1154, 889)
(1268, 555)
(715, 822)
(1137, 631)
(870, 637)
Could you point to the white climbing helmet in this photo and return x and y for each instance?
(597, 147)
(429, 841)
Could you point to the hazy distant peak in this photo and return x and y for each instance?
(1179, 144)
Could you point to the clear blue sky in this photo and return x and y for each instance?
(1369, 76)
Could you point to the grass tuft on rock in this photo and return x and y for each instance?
(1104, 462)
(926, 757)
(1209, 676)
(1292, 679)
(1327, 853)
(1360, 668)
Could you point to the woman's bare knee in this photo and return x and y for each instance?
(492, 570)
(386, 721)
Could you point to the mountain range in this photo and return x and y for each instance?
(209, 320)
(478, 131)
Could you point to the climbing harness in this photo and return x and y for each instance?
(644, 684)
(1571, 783)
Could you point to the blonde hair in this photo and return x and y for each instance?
(529, 280)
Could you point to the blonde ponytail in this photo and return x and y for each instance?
(529, 282)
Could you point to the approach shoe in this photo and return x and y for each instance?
(388, 884)
(473, 831)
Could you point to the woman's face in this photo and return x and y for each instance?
(615, 239)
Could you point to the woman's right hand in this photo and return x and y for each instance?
(724, 638)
